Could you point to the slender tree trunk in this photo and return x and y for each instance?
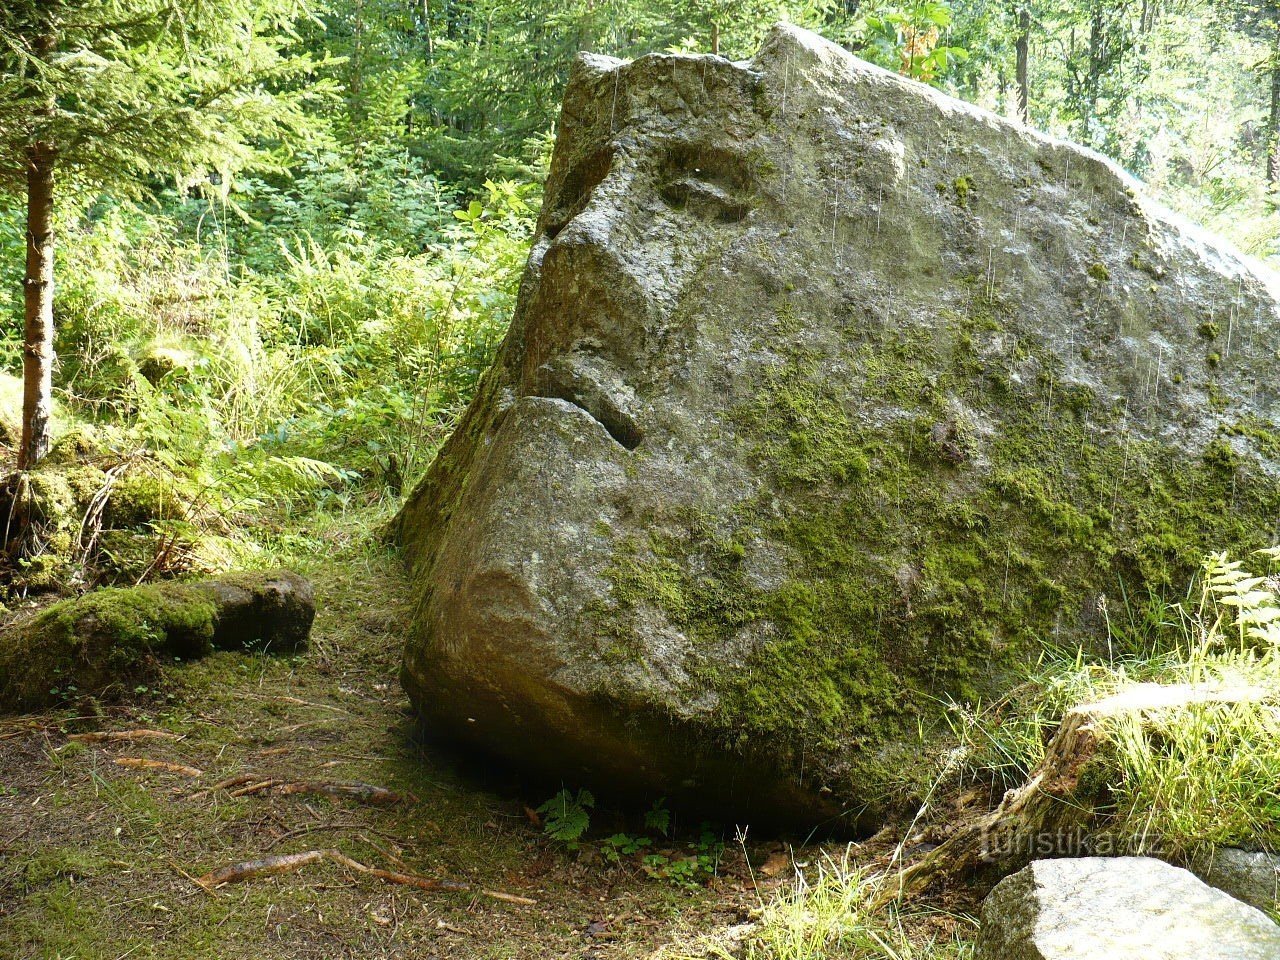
(37, 357)
(1023, 47)
(1273, 118)
(715, 38)
(1096, 41)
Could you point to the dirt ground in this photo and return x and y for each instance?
(97, 857)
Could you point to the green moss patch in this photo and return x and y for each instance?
(935, 522)
(112, 640)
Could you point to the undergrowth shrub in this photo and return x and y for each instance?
(317, 374)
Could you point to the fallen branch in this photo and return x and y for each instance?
(365, 792)
(139, 763)
(121, 736)
(223, 785)
(291, 862)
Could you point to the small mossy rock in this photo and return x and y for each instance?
(827, 398)
(108, 641)
(271, 612)
(158, 360)
(1123, 908)
(1252, 876)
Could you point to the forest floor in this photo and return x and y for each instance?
(98, 858)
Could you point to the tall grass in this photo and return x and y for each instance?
(829, 912)
(1184, 779)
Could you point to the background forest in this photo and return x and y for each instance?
(278, 294)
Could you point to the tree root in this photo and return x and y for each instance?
(140, 763)
(291, 862)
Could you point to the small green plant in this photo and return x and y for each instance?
(658, 817)
(622, 845)
(699, 862)
(566, 816)
(909, 37)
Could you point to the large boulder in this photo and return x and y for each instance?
(1127, 908)
(826, 398)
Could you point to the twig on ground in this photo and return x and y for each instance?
(254, 788)
(140, 763)
(290, 862)
(207, 890)
(223, 785)
(121, 736)
(364, 792)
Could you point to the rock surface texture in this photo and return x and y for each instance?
(1248, 875)
(1126, 908)
(825, 397)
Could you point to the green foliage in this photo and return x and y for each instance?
(908, 38)
(484, 93)
(567, 815)
(134, 89)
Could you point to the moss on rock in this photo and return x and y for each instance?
(108, 641)
(908, 392)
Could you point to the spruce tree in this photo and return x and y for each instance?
(120, 95)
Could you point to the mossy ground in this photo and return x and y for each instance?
(96, 859)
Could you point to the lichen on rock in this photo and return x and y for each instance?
(826, 399)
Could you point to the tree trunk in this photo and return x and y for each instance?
(715, 38)
(37, 356)
(1273, 118)
(1023, 47)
